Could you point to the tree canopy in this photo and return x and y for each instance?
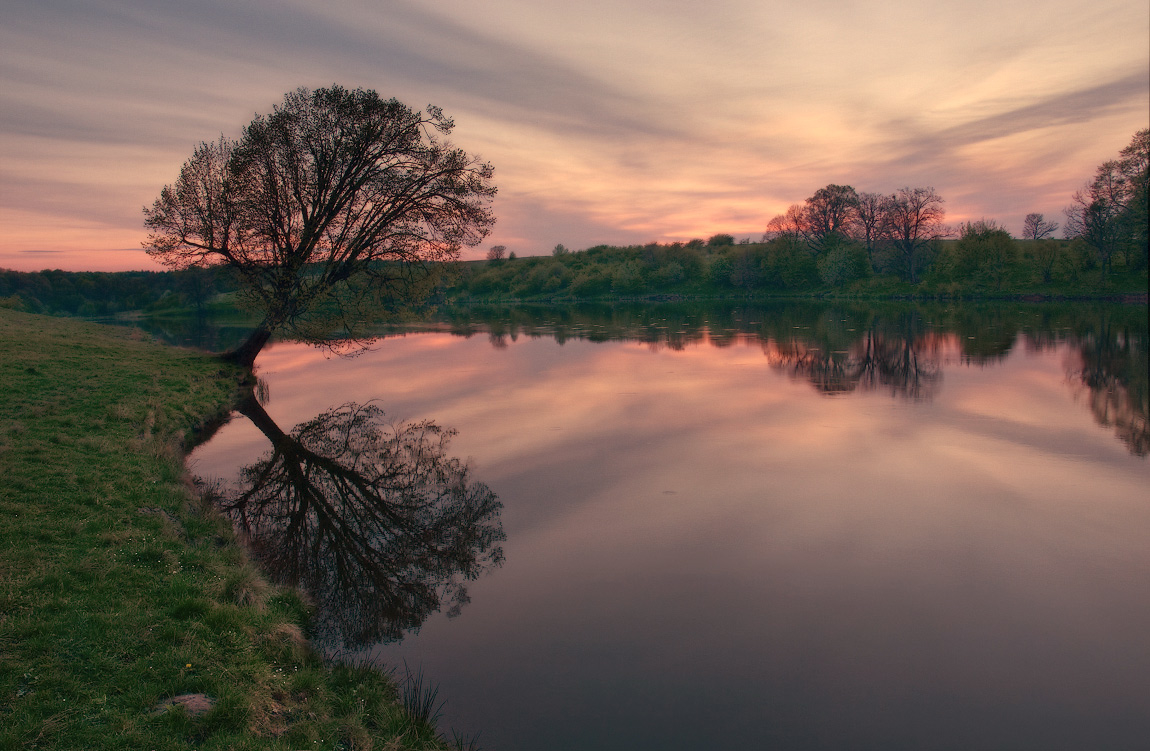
(1109, 213)
(915, 221)
(337, 205)
(905, 225)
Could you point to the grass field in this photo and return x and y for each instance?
(129, 616)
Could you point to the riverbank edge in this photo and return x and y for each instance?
(130, 616)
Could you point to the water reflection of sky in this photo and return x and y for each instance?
(705, 552)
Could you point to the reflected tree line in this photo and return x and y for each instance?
(373, 519)
(841, 349)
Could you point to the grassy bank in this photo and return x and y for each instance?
(119, 593)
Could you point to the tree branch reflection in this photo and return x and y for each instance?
(1111, 370)
(907, 365)
(373, 519)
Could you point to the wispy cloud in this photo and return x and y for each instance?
(607, 121)
(1073, 107)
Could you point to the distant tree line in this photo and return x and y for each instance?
(100, 293)
(840, 238)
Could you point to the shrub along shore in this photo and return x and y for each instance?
(958, 270)
(129, 615)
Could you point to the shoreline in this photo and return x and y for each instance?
(130, 616)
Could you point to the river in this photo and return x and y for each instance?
(795, 526)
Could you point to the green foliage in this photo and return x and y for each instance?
(547, 278)
(842, 261)
(627, 279)
(99, 293)
(1109, 213)
(669, 275)
(1043, 255)
(14, 302)
(985, 254)
(746, 269)
(984, 261)
(1078, 260)
(789, 265)
(719, 271)
(1134, 222)
(591, 283)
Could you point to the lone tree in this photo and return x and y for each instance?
(822, 222)
(830, 212)
(1035, 227)
(336, 206)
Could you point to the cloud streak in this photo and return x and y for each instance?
(1073, 107)
(616, 122)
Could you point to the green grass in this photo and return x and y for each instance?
(119, 591)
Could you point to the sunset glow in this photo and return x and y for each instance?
(607, 122)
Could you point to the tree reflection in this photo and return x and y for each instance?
(904, 360)
(373, 519)
(906, 365)
(1112, 368)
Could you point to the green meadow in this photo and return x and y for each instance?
(130, 617)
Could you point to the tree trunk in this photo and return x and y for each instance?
(908, 252)
(245, 354)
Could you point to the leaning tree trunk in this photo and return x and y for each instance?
(251, 408)
(245, 354)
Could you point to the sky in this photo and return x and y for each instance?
(607, 121)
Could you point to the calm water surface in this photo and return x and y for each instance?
(770, 528)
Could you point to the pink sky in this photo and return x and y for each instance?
(607, 122)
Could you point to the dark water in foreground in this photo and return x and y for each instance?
(796, 527)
